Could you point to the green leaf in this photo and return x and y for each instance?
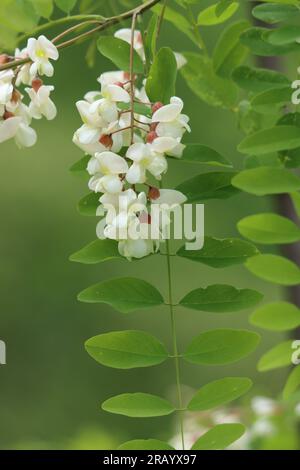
(274, 13)
(220, 253)
(219, 437)
(276, 316)
(138, 405)
(266, 180)
(43, 8)
(89, 204)
(220, 392)
(145, 444)
(221, 298)
(161, 82)
(258, 79)
(97, 251)
(255, 40)
(126, 349)
(198, 153)
(118, 51)
(229, 52)
(179, 21)
(209, 16)
(269, 228)
(296, 202)
(279, 356)
(271, 140)
(284, 35)
(292, 384)
(223, 346)
(66, 5)
(274, 268)
(125, 294)
(151, 33)
(265, 101)
(18, 16)
(268, 159)
(81, 165)
(204, 83)
(213, 185)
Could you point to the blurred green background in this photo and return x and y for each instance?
(51, 389)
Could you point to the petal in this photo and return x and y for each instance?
(177, 151)
(88, 135)
(100, 229)
(49, 47)
(112, 163)
(164, 144)
(168, 113)
(136, 174)
(93, 166)
(180, 59)
(117, 93)
(108, 78)
(112, 184)
(170, 197)
(136, 152)
(25, 136)
(8, 128)
(158, 166)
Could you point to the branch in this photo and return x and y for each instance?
(101, 26)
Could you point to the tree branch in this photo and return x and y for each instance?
(107, 23)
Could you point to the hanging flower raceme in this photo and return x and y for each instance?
(129, 150)
(15, 115)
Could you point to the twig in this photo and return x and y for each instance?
(106, 24)
(132, 87)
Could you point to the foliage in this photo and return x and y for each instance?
(255, 95)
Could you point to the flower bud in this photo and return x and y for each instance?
(16, 96)
(153, 126)
(7, 115)
(36, 84)
(156, 106)
(153, 193)
(145, 218)
(151, 136)
(106, 140)
(4, 59)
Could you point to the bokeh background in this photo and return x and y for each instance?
(50, 389)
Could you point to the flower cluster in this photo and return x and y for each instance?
(129, 139)
(15, 116)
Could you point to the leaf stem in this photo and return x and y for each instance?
(174, 339)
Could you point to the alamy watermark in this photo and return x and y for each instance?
(157, 221)
(2, 353)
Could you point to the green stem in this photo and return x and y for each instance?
(175, 347)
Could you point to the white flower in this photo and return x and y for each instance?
(40, 51)
(125, 35)
(144, 159)
(136, 248)
(180, 59)
(171, 123)
(17, 127)
(23, 75)
(93, 136)
(263, 406)
(6, 87)
(106, 168)
(41, 104)
(110, 78)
